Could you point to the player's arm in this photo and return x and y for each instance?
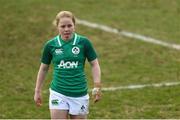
(96, 73)
(39, 83)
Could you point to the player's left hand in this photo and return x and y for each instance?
(96, 92)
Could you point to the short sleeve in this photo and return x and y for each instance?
(46, 54)
(90, 51)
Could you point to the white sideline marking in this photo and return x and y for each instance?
(141, 86)
(134, 86)
(128, 34)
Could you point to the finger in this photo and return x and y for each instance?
(96, 98)
(38, 102)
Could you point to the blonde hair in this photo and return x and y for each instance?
(62, 14)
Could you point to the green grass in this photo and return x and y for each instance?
(26, 25)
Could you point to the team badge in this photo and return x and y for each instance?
(75, 50)
(59, 51)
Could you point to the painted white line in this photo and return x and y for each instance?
(132, 87)
(141, 86)
(128, 34)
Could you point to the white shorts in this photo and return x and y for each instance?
(75, 105)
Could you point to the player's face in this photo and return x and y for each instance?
(66, 28)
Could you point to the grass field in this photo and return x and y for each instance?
(26, 24)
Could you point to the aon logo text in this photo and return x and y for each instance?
(68, 64)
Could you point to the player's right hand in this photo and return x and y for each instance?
(38, 99)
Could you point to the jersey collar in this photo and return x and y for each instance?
(60, 43)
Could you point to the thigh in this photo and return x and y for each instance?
(57, 101)
(79, 107)
(58, 106)
(59, 114)
(78, 116)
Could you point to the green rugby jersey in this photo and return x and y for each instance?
(68, 58)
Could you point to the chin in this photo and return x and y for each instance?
(66, 37)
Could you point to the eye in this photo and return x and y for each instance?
(62, 26)
(69, 25)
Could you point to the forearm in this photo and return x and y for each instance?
(96, 73)
(41, 77)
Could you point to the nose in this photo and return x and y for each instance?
(66, 28)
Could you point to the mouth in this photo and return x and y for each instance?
(67, 35)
